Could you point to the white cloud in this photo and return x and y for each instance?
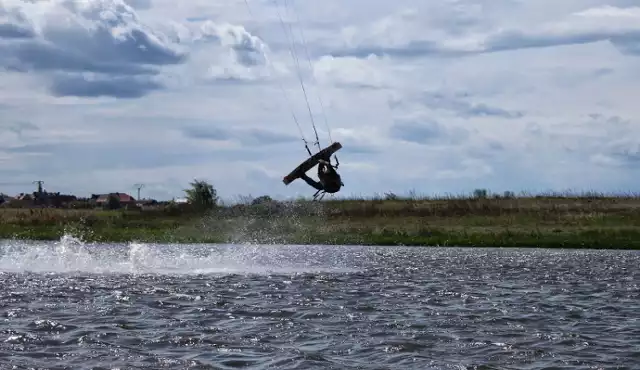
(98, 95)
(352, 72)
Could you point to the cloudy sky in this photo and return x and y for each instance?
(431, 96)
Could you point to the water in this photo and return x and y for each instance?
(70, 305)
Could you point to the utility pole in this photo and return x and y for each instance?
(39, 182)
(39, 198)
(138, 186)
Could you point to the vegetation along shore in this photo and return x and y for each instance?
(480, 219)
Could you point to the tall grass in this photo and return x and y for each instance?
(547, 219)
(389, 205)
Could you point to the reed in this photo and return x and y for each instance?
(561, 219)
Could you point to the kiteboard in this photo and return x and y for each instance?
(305, 166)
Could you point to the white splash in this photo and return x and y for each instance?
(71, 255)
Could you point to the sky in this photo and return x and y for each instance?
(430, 97)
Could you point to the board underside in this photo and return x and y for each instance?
(311, 162)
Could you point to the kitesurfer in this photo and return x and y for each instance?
(330, 181)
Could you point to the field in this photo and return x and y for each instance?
(551, 220)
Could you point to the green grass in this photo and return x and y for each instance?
(551, 220)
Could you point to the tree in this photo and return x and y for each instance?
(113, 202)
(261, 200)
(480, 193)
(202, 195)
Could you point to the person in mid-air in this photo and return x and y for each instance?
(330, 181)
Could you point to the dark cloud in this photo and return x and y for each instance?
(426, 132)
(197, 19)
(502, 41)
(18, 128)
(120, 87)
(249, 137)
(40, 56)
(231, 80)
(15, 31)
(264, 137)
(516, 39)
(206, 133)
(135, 46)
(101, 49)
(626, 41)
(465, 109)
(413, 49)
(625, 154)
(602, 72)
(628, 156)
(600, 119)
(620, 143)
(608, 140)
(489, 149)
(139, 4)
(351, 148)
(419, 133)
(15, 25)
(107, 38)
(116, 45)
(630, 44)
(248, 52)
(458, 104)
(360, 85)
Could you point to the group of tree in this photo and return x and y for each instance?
(202, 195)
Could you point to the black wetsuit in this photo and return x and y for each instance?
(330, 180)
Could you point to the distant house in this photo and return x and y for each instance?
(124, 198)
(58, 200)
(147, 202)
(24, 196)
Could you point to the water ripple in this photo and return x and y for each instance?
(70, 305)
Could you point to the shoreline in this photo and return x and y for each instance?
(601, 240)
(586, 222)
(603, 243)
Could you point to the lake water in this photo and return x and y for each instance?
(69, 305)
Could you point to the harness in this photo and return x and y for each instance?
(335, 177)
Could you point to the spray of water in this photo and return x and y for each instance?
(278, 223)
(258, 243)
(72, 255)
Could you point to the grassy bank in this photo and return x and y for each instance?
(571, 221)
